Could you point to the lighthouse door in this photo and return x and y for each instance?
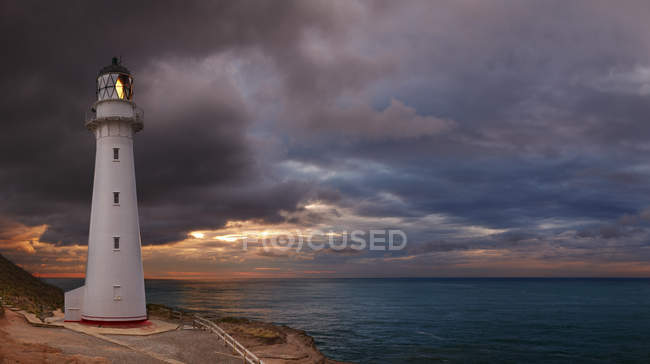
(117, 292)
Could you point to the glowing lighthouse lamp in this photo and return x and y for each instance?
(114, 287)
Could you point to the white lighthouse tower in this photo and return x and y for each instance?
(114, 287)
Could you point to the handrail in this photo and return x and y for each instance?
(139, 113)
(248, 356)
(89, 116)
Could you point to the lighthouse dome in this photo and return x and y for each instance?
(115, 82)
(115, 67)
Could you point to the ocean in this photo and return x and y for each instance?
(425, 320)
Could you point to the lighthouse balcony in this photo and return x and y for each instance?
(92, 120)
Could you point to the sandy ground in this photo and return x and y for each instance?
(187, 346)
(23, 343)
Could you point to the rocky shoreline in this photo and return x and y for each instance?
(27, 342)
(271, 343)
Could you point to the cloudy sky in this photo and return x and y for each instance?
(505, 138)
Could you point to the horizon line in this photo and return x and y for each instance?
(46, 276)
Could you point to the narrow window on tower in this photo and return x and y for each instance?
(116, 198)
(116, 154)
(116, 243)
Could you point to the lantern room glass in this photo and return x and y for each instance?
(117, 86)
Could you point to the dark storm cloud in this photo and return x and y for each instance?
(530, 117)
(195, 167)
(550, 114)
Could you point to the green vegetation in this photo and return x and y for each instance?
(267, 333)
(260, 333)
(21, 289)
(157, 310)
(234, 320)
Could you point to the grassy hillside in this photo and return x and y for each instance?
(19, 288)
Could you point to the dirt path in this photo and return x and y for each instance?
(22, 343)
(186, 346)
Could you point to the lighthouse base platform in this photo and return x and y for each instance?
(117, 324)
(144, 328)
(148, 327)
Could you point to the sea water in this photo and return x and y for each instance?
(423, 320)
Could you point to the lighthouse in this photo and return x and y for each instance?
(114, 285)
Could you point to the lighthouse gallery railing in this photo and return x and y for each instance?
(91, 115)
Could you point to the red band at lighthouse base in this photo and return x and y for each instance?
(116, 321)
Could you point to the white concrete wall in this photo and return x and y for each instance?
(114, 277)
(73, 303)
